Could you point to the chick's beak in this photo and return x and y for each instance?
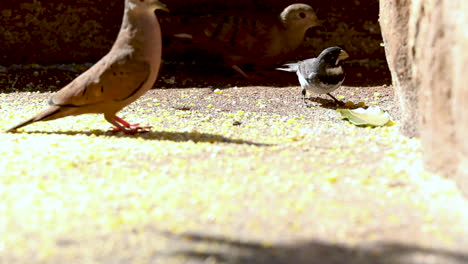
(161, 6)
(343, 55)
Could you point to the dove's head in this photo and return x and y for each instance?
(146, 4)
(300, 16)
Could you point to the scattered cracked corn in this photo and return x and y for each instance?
(332, 178)
(187, 175)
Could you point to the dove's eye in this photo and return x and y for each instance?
(302, 15)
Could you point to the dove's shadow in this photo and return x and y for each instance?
(196, 137)
(198, 247)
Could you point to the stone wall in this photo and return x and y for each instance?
(427, 53)
(394, 19)
(438, 43)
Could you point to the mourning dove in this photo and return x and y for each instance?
(123, 75)
(321, 75)
(261, 39)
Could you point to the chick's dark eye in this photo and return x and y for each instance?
(142, 1)
(302, 15)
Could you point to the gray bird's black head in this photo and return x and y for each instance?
(333, 55)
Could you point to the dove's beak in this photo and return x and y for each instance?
(319, 23)
(161, 6)
(343, 55)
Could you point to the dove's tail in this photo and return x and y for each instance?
(47, 114)
(290, 67)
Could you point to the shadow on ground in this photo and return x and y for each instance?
(200, 248)
(196, 137)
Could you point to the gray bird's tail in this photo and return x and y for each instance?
(290, 67)
(46, 114)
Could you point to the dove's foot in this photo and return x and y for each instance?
(132, 129)
(127, 128)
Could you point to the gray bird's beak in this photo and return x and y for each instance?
(161, 6)
(343, 55)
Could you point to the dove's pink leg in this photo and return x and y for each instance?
(127, 128)
(239, 70)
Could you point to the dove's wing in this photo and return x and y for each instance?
(106, 82)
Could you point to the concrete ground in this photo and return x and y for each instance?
(235, 175)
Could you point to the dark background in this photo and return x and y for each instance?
(75, 32)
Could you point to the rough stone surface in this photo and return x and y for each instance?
(438, 41)
(424, 45)
(394, 18)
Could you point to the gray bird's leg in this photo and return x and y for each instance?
(304, 92)
(336, 100)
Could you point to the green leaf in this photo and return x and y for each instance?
(372, 116)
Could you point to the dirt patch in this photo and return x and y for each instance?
(51, 78)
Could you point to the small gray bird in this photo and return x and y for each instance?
(321, 75)
(123, 75)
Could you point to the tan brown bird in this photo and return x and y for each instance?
(260, 39)
(123, 75)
